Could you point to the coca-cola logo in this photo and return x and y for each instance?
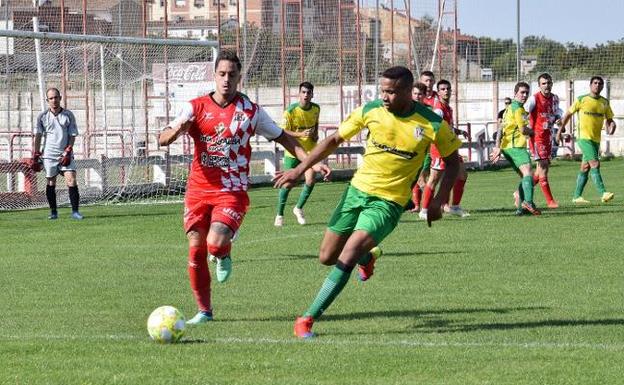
(183, 72)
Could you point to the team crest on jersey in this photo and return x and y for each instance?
(239, 116)
(208, 115)
(220, 128)
(418, 132)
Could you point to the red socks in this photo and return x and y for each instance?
(416, 195)
(426, 198)
(458, 191)
(546, 189)
(199, 276)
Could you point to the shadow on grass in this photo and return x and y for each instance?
(442, 326)
(297, 257)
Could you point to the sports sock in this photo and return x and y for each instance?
(527, 187)
(426, 199)
(416, 194)
(333, 285)
(597, 179)
(74, 197)
(581, 181)
(281, 202)
(543, 181)
(305, 194)
(520, 192)
(51, 196)
(458, 191)
(199, 275)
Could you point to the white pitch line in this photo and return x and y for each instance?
(334, 342)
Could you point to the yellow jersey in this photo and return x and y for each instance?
(297, 119)
(395, 147)
(515, 119)
(592, 113)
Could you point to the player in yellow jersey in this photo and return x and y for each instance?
(301, 120)
(593, 110)
(511, 142)
(399, 133)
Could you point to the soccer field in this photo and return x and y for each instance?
(488, 299)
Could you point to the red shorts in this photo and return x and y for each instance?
(437, 162)
(540, 149)
(201, 209)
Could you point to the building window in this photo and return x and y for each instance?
(216, 2)
(233, 2)
(162, 3)
(199, 18)
(180, 3)
(199, 3)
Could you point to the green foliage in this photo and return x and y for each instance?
(488, 299)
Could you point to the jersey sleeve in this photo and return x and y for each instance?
(608, 111)
(353, 124)
(576, 106)
(185, 114)
(445, 140)
(39, 129)
(266, 127)
(72, 129)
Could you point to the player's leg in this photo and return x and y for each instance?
(458, 192)
(282, 195)
(593, 158)
(589, 153)
(541, 153)
(421, 181)
(435, 174)
(198, 271)
(527, 189)
(377, 219)
(303, 197)
(74, 195)
(51, 169)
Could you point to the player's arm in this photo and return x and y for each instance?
(566, 118)
(522, 122)
(610, 127)
(179, 126)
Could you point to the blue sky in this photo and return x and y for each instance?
(580, 21)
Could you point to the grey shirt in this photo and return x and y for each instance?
(57, 129)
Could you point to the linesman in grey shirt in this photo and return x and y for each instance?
(58, 128)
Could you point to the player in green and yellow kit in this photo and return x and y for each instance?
(301, 120)
(511, 142)
(399, 133)
(593, 110)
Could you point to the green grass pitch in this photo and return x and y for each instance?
(488, 299)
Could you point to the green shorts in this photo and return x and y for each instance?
(358, 210)
(517, 157)
(590, 149)
(290, 162)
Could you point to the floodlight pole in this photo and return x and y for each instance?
(517, 40)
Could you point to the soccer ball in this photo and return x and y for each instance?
(166, 325)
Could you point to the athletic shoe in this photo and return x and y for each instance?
(516, 196)
(415, 209)
(212, 258)
(224, 269)
(606, 197)
(303, 327)
(53, 215)
(552, 204)
(580, 201)
(423, 214)
(519, 212)
(458, 211)
(530, 207)
(367, 271)
(446, 208)
(76, 215)
(201, 317)
(299, 214)
(279, 221)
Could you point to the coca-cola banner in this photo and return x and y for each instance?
(184, 72)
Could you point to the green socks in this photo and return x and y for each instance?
(597, 179)
(581, 181)
(281, 202)
(305, 194)
(333, 285)
(527, 188)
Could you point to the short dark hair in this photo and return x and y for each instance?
(545, 75)
(307, 85)
(596, 78)
(507, 100)
(521, 85)
(53, 89)
(422, 87)
(427, 73)
(400, 73)
(228, 55)
(443, 81)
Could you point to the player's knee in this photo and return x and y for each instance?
(327, 258)
(219, 250)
